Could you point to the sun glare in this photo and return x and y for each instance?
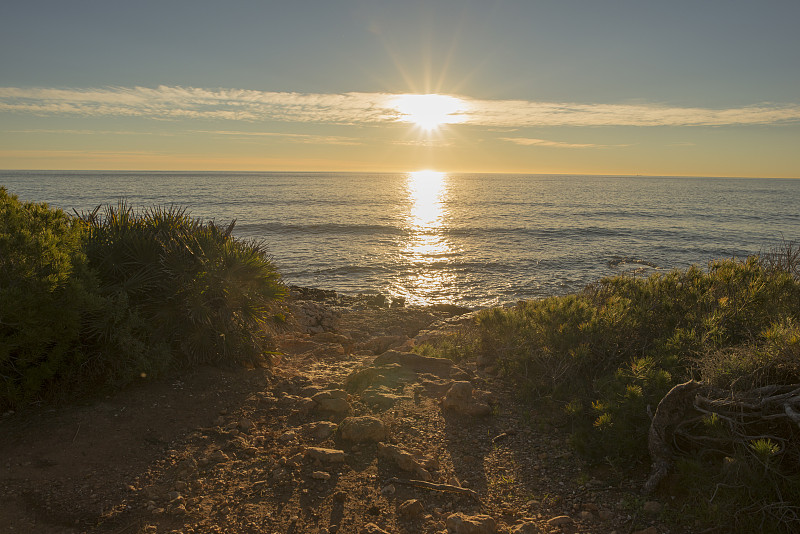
(431, 111)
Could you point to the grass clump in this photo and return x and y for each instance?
(95, 300)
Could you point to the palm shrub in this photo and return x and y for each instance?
(203, 293)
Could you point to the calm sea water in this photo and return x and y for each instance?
(471, 239)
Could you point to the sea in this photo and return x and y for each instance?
(475, 240)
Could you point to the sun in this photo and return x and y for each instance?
(431, 111)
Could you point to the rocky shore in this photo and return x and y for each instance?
(344, 429)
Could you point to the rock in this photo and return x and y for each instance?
(218, 457)
(326, 455)
(526, 528)
(411, 508)
(319, 429)
(605, 515)
(287, 436)
(560, 521)
(404, 460)
(372, 528)
(476, 524)
(381, 396)
(462, 398)
(586, 515)
(652, 507)
(420, 364)
(379, 345)
(246, 425)
(364, 428)
(173, 495)
(648, 530)
(388, 490)
(321, 475)
(332, 400)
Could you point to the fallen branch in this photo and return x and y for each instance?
(436, 487)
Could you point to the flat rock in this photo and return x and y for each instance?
(475, 524)
(326, 455)
(420, 364)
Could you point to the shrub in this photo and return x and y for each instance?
(94, 301)
(203, 293)
(45, 283)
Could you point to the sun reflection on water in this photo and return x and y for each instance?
(427, 248)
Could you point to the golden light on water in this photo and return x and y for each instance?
(426, 245)
(431, 111)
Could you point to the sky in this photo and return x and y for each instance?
(708, 88)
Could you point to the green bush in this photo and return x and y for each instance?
(91, 302)
(45, 284)
(617, 347)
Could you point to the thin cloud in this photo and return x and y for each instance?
(526, 141)
(184, 103)
(296, 138)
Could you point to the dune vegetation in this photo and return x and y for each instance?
(93, 301)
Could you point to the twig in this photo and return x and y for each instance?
(76, 433)
(436, 487)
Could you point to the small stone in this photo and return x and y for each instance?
(605, 515)
(246, 425)
(388, 490)
(411, 508)
(218, 456)
(586, 515)
(321, 475)
(287, 436)
(559, 521)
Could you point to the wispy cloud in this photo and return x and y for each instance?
(291, 137)
(165, 102)
(526, 141)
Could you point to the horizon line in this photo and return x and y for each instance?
(638, 175)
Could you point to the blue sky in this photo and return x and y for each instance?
(685, 88)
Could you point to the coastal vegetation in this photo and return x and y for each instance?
(608, 355)
(95, 300)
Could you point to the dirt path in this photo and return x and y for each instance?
(326, 441)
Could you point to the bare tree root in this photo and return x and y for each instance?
(768, 413)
